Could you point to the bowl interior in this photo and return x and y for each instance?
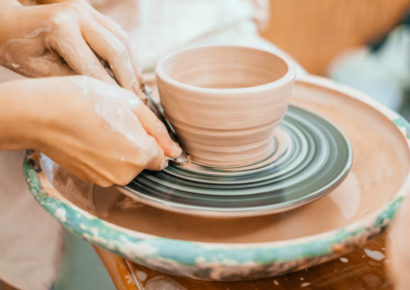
(224, 67)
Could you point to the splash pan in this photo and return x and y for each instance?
(358, 209)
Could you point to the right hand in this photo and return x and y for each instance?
(98, 132)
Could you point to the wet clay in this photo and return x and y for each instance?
(380, 166)
(225, 101)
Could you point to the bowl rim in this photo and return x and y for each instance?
(148, 248)
(287, 78)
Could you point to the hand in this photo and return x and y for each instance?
(67, 38)
(98, 132)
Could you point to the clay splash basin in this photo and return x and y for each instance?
(360, 208)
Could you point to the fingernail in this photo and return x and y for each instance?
(137, 90)
(140, 79)
(175, 150)
(164, 164)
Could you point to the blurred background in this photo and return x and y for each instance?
(361, 43)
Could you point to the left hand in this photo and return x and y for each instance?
(67, 38)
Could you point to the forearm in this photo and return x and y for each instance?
(18, 106)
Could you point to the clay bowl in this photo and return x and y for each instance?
(225, 101)
(360, 208)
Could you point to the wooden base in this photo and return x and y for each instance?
(5, 286)
(358, 270)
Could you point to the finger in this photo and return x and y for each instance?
(144, 152)
(29, 57)
(110, 25)
(71, 46)
(112, 50)
(87, 173)
(148, 152)
(157, 159)
(117, 30)
(119, 94)
(50, 64)
(78, 168)
(157, 130)
(41, 67)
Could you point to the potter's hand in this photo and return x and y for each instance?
(98, 132)
(65, 38)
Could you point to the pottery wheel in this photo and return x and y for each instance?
(311, 156)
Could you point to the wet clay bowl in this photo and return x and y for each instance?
(225, 101)
(360, 208)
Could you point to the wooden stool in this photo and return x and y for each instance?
(361, 269)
